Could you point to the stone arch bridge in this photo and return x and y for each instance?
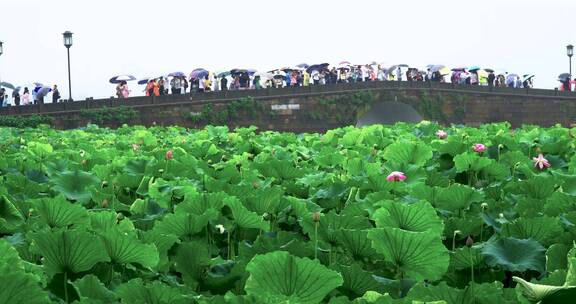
(316, 108)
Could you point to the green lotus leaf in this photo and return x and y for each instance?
(280, 277)
(471, 162)
(441, 292)
(21, 288)
(281, 169)
(462, 257)
(123, 249)
(243, 217)
(417, 217)
(136, 166)
(419, 255)
(282, 240)
(358, 281)
(538, 187)
(457, 197)
(184, 225)
(515, 254)
(543, 229)
(163, 243)
(69, 251)
(545, 294)
(192, 260)
(356, 243)
(264, 200)
(405, 153)
(199, 203)
(9, 259)
(452, 147)
(90, 288)
(104, 221)
(571, 273)
(136, 291)
(59, 212)
(332, 222)
(39, 149)
(10, 217)
(75, 185)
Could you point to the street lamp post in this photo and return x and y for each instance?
(68, 43)
(570, 52)
(1, 52)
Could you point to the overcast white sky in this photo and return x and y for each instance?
(144, 37)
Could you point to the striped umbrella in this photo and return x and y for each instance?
(120, 78)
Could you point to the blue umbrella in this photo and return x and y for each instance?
(146, 79)
(177, 74)
(474, 68)
(42, 91)
(120, 78)
(199, 73)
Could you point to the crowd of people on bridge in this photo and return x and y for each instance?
(202, 80)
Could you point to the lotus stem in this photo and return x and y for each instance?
(66, 286)
(456, 232)
(316, 240)
(471, 266)
(228, 244)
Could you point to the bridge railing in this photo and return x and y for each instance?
(276, 93)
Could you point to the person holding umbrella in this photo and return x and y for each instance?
(26, 97)
(16, 96)
(55, 94)
(2, 92)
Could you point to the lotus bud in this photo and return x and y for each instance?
(105, 204)
(501, 215)
(83, 162)
(169, 155)
(441, 134)
(479, 148)
(469, 241)
(316, 217)
(396, 176)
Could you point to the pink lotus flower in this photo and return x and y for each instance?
(396, 176)
(540, 162)
(169, 155)
(479, 148)
(441, 134)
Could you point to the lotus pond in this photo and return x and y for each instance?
(383, 214)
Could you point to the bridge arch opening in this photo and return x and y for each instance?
(389, 112)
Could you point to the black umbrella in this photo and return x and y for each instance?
(318, 67)
(489, 70)
(564, 76)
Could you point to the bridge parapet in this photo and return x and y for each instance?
(319, 107)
